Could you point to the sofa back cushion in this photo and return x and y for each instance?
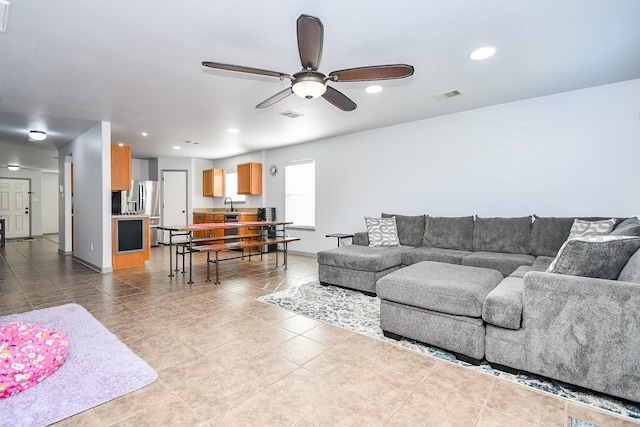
(448, 232)
(410, 229)
(549, 233)
(628, 227)
(508, 235)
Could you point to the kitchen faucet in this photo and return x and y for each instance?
(231, 201)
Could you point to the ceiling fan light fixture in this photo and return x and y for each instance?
(309, 87)
(13, 167)
(373, 89)
(37, 135)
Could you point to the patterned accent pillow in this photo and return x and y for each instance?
(582, 228)
(382, 231)
(601, 257)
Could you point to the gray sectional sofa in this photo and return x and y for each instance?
(479, 287)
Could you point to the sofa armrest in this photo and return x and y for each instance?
(361, 238)
(584, 331)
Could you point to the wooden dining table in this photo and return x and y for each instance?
(181, 238)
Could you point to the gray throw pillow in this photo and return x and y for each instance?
(410, 229)
(448, 232)
(505, 235)
(595, 256)
(631, 270)
(628, 227)
(382, 231)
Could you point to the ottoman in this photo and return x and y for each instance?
(358, 267)
(438, 304)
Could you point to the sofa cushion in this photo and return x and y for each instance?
(504, 263)
(449, 232)
(581, 228)
(631, 271)
(362, 258)
(450, 256)
(503, 305)
(436, 286)
(410, 229)
(382, 231)
(628, 227)
(508, 235)
(549, 233)
(601, 257)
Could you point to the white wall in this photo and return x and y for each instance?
(569, 154)
(50, 194)
(91, 154)
(140, 169)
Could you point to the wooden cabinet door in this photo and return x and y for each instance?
(250, 178)
(199, 219)
(120, 167)
(213, 182)
(218, 219)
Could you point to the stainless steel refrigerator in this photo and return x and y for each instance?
(144, 199)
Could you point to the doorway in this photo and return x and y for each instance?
(15, 206)
(175, 199)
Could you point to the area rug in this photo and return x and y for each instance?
(361, 313)
(98, 368)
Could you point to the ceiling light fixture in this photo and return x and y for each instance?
(37, 135)
(309, 84)
(175, 147)
(144, 134)
(483, 53)
(233, 130)
(13, 167)
(373, 89)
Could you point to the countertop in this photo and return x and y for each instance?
(210, 211)
(130, 216)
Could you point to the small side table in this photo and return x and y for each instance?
(340, 236)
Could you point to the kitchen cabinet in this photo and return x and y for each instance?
(120, 167)
(213, 182)
(250, 178)
(199, 218)
(130, 241)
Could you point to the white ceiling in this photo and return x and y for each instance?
(66, 64)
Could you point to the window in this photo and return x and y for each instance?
(300, 193)
(231, 187)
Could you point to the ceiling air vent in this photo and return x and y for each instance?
(4, 15)
(290, 114)
(450, 94)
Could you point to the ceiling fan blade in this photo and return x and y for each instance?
(310, 38)
(275, 98)
(374, 72)
(241, 69)
(339, 99)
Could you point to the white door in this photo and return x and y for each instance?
(14, 206)
(174, 199)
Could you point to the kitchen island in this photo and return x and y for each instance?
(130, 241)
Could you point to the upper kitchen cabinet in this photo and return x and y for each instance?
(120, 167)
(250, 178)
(213, 182)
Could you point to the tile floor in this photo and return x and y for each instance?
(234, 361)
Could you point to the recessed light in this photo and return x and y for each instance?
(175, 147)
(373, 89)
(13, 167)
(120, 144)
(37, 135)
(144, 134)
(483, 53)
(233, 130)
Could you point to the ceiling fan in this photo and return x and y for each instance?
(309, 82)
